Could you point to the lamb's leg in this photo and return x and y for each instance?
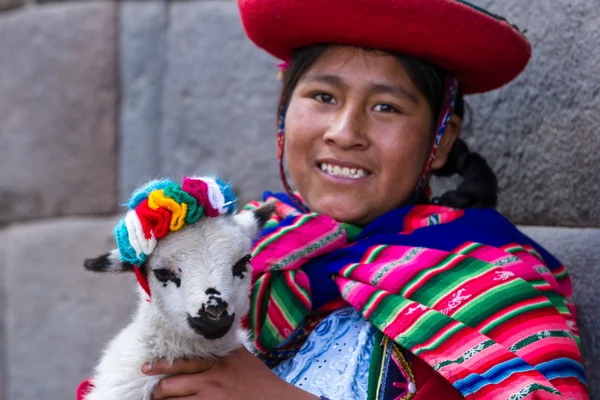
(118, 376)
(136, 390)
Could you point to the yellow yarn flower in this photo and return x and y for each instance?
(157, 199)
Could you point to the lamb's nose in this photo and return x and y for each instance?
(215, 311)
(210, 327)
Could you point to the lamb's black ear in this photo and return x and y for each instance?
(254, 221)
(109, 262)
(263, 214)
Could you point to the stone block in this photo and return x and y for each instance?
(58, 96)
(579, 250)
(10, 4)
(219, 100)
(2, 306)
(57, 315)
(71, 1)
(142, 65)
(540, 133)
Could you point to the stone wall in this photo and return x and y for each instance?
(195, 90)
(59, 102)
(98, 96)
(539, 132)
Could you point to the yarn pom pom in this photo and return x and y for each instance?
(128, 253)
(162, 206)
(154, 222)
(198, 188)
(142, 193)
(230, 199)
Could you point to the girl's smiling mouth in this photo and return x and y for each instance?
(342, 169)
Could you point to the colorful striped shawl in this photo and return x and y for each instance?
(464, 290)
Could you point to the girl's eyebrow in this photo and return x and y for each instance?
(332, 80)
(394, 90)
(397, 91)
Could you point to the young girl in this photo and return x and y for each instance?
(365, 286)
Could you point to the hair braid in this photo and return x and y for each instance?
(479, 188)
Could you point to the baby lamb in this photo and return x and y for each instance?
(191, 257)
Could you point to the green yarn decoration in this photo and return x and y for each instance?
(194, 212)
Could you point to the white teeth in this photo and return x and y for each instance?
(345, 172)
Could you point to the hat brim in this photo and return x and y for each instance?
(482, 51)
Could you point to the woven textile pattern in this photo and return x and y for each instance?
(485, 307)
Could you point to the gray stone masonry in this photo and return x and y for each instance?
(219, 92)
(219, 95)
(58, 96)
(142, 64)
(2, 307)
(75, 1)
(57, 315)
(10, 4)
(219, 98)
(540, 133)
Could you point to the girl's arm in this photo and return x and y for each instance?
(239, 375)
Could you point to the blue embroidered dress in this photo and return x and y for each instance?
(335, 359)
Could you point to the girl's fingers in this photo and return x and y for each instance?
(178, 367)
(176, 387)
(183, 398)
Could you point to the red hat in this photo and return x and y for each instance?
(482, 50)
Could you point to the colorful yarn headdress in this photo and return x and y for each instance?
(162, 206)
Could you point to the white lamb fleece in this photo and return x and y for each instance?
(147, 338)
(207, 279)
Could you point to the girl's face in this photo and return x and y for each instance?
(358, 132)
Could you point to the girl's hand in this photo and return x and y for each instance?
(238, 376)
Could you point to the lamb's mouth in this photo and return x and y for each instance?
(209, 328)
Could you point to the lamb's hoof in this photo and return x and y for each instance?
(209, 328)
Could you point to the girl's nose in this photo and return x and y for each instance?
(347, 129)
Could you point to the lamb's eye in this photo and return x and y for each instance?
(163, 274)
(241, 266)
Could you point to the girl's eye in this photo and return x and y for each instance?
(163, 274)
(241, 266)
(324, 98)
(386, 108)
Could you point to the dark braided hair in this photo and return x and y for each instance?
(479, 187)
